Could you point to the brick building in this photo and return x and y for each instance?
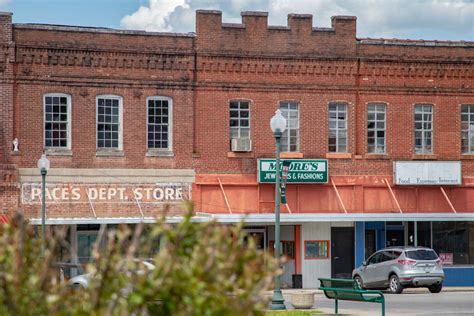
(132, 121)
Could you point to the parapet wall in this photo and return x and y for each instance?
(255, 36)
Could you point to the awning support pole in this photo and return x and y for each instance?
(338, 196)
(393, 195)
(225, 196)
(90, 203)
(448, 200)
(139, 207)
(288, 208)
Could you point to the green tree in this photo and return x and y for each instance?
(200, 269)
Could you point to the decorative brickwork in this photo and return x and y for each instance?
(202, 72)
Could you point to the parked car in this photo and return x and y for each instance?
(83, 280)
(397, 268)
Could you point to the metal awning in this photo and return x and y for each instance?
(269, 218)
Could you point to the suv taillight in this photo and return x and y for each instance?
(407, 262)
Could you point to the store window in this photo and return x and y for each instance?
(337, 121)
(423, 129)
(454, 240)
(159, 122)
(57, 121)
(316, 249)
(290, 140)
(239, 125)
(376, 127)
(109, 122)
(467, 129)
(287, 248)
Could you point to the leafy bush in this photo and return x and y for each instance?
(200, 269)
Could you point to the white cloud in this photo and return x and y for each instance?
(428, 19)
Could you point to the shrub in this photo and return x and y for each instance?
(200, 269)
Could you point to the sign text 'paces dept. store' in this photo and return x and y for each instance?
(100, 193)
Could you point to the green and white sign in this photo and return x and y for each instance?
(301, 171)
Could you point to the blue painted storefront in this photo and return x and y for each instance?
(454, 276)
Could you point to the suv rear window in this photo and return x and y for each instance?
(421, 254)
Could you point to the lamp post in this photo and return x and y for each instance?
(278, 126)
(43, 166)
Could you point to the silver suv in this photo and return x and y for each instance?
(397, 268)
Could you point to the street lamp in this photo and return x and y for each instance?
(278, 126)
(43, 166)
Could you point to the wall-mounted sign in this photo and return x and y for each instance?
(106, 193)
(446, 258)
(427, 172)
(300, 171)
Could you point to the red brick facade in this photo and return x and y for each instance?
(222, 62)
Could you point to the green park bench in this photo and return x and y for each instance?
(348, 290)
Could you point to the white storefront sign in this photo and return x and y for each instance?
(427, 173)
(106, 193)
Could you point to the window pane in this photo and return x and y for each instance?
(316, 249)
(290, 110)
(55, 134)
(337, 140)
(158, 123)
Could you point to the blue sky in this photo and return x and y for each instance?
(406, 19)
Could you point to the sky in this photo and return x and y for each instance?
(403, 19)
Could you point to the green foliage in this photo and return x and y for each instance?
(200, 269)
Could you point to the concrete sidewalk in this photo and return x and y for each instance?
(409, 290)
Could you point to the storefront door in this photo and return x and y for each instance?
(342, 252)
(370, 243)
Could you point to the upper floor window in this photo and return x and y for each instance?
(239, 124)
(290, 140)
(423, 129)
(376, 126)
(109, 122)
(57, 121)
(467, 129)
(337, 117)
(159, 127)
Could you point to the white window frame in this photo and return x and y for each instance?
(120, 129)
(423, 130)
(337, 128)
(469, 130)
(170, 123)
(239, 127)
(376, 129)
(287, 133)
(69, 121)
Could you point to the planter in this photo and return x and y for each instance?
(302, 299)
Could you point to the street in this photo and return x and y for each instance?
(408, 303)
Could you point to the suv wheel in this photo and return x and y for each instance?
(435, 288)
(358, 280)
(394, 285)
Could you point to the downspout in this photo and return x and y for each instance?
(357, 150)
(194, 87)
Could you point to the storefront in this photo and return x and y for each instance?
(91, 201)
(331, 226)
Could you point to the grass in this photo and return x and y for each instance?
(293, 313)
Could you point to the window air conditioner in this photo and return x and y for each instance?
(241, 144)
